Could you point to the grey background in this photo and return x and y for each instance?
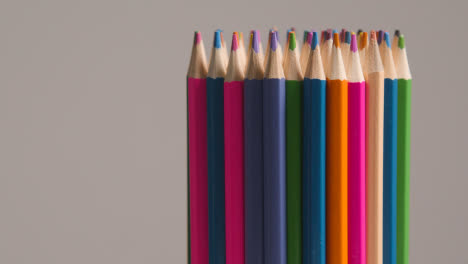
(92, 121)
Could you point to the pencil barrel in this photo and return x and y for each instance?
(403, 169)
(215, 140)
(293, 170)
(274, 149)
(253, 149)
(313, 173)
(390, 171)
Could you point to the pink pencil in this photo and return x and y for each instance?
(234, 155)
(198, 163)
(356, 158)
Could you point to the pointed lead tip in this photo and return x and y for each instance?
(387, 39)
(359, 32)
(306, 34)
(328, 34)
(397, 33)
(314, 40)
(292, 40)
(373, 36)
(401, 42)
(380, 36)
(217, 39)
(235, 41)
(197, 38)
(348, 37)
(364, 40)
(336, 40)
(255, 40)
(309, 38)
(274, 40)
(353, 43)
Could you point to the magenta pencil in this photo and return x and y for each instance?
(234, 156)
(356, 158)
(197, 154)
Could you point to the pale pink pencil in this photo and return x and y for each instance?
(234, 155)
(198, 163)
(356, 158)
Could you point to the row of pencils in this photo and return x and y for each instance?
(299, 155)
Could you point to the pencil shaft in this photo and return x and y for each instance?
(274, 149)
(215, 137)
(234, 171)
(374, 157)
(313, 180)
(188, 178)
(403, 169)
(357, 173)
(293, 170)
(198, 171)
(390, 171)
(253, 148)
(337, 172)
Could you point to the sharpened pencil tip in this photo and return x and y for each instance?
(314, 43)
(255, 41)
(387, 39)
(305, 38)
(336, 40)
(359, 32)
(380, 37)
(309, 38)
(328, 34)
(348, 37)
(292, 40)
(197, 37)
(397, 33)
(235, 42)
(274, 40)
(401, 42)
(217, 39)
(353, 43)
(373, 35)
(364, 40)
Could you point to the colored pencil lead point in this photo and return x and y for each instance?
(387, 39)
(197, 37)
(235, 42)
(305, 38)
(342, 35)
(309, 37)
(380, 37)
(329, 34)
(348, 37)
(217, 39)
(274, 41)
(364, 40)
(401, 42)
(314, 40)
(353, 43)
(359, 32)
(336, 40)
(255, 40)
(397, 33)
(292, 40)
(373, 35)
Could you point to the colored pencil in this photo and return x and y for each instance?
(390, 153)
(356, 157)
(345, 48)
(234, 155)
(215, 137)
(314, 151)
(362, 52)
(294, 86)
(374, 145)
(396, 38)
(253, 149)
(224, 49)
(197, 153)
(242, 53)
(274, 144)
(337, 158)
(305, 51)
(403, 151)
(326, 51)
(267, 51)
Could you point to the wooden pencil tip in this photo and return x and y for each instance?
(197, 37)
(373, 35)
(292, 40)
(235, 41)
(255, 40)
(401, 42)
(274, 40)
(397, 33)
(353, 43)
(305, 38)
(217, 39)
(336, 40)
(364, 40)
(387, 39)
(348, 37)
(314, 42)
(380, 36)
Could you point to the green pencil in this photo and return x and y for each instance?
(403, 151)
(294, 84)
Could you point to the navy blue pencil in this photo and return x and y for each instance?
(390, 153)
(274, 147)
(215, 141)
(253, 153)
(314, 150)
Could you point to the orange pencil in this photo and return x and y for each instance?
(374, 144)
(337, 158)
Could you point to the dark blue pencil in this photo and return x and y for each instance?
(253, 157)
(390, 153)
(274, 147)
(215, 141)
(313, 175)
